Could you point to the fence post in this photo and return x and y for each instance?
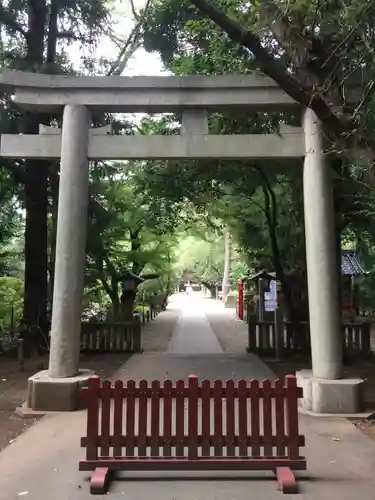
(137, 334)
(365, 334)
(252, 332)
(291, 394)
(279, 332)
(92, 395)
(21, 355)
(193, 417)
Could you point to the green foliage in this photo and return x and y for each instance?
(11, 302)
(129, 231)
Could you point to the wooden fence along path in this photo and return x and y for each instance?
(111, 336)
(296, 338)
(116, 336)
(244, 425)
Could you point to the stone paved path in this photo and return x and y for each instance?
(193, 333)
(42, 463)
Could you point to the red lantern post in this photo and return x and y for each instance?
(240, 299)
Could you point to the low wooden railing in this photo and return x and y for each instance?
(295, 337)
(111, 336)
(243, 425)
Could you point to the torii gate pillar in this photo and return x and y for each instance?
(325, 389)
(58, 387)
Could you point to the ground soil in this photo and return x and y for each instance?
(13, 382)
(364, 369)
(13, 387)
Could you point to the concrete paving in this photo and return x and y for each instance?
(193, 333)
(42, 463)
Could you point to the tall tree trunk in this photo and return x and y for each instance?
(270, 211)
(36, 200)
(54, 184)
(227, 262)
(36, 187)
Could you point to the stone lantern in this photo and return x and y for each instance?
(129, 283)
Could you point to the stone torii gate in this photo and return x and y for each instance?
(194, 96)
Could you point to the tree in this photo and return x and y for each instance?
(128, 232)
(34, 35)
(311, 51)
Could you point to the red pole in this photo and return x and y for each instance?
(240, 299)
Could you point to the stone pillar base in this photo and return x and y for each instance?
(339, 397)
(46, 393)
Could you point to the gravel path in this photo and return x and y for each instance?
(157, 334)
(230, 331)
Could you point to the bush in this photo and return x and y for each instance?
(11, 298)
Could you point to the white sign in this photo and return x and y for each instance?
(270, 298)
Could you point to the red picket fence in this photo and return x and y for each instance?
(199, 426)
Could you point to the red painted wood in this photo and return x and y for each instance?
(167, 418)
(242, 418)
(206, 418)
(180, 418)
(218, 418)
(279, 418)
(230, 421)
(105, 418)
(193, 417)
(255, 418)
(180, 464)
(286, 480)
(92, 417)
(292, 416)
(142, 419)
(279, 410)
(186, 392)
(210, 440)
(99, 481)
(117, 419)
(155, 418)
(267, 418)
(130, 418)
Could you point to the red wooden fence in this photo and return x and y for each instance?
(207, 426)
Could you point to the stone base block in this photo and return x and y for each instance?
(330, 396)
(56, 394)
(231, 302)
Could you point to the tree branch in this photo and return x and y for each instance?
(9, 20)
(340, 128)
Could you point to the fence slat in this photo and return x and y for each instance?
(206, 417)
(117, 418)
(92, 418)
(167, 418)
(142, 418)
(365, 339)
(180, 418)
(267, 418)
(255, 418)
(155, 418)
(349, 338)
(105, 418)
(242, 418)
(280, 419)
(357, 338)
(193, 417)
(218, 418)
(292, 416)
(230, 423)
(130, 418)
